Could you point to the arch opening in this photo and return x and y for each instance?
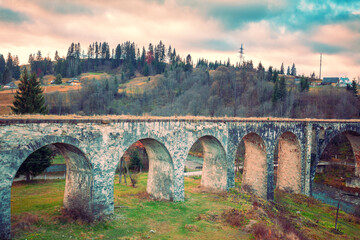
(151, 156)
(208, 155)
(67, 183)
(287, 164)
(254, 176)
(336, 173)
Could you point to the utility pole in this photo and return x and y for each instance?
(320, 64)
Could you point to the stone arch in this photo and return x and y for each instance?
(289, 163)
(79, 177)
(255, 165)
(354, 139)
(78, 194)
(214, 171)
(160, 182)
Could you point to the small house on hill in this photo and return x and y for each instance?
(330, 81)
(10, 85)
(75, 83)
(343, 82)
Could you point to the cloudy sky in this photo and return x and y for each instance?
(272, 31)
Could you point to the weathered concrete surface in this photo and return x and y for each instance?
(289, 163)
(93, 146)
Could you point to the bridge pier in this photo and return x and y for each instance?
(5, 214)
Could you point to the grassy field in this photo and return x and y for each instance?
(139, 84)
(36, 214)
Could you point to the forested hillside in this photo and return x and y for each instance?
(226, 91)
(181, 86)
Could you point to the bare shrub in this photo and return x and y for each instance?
(79, 210)
(210, 217)
(24, 221)
(261, 231)
(75, 215)
(247, 188)
(303, 199)
(192, 228)
(288, 190)
(234, 217)
(134, 179)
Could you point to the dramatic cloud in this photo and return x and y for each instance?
(9, 16)
(272, 31)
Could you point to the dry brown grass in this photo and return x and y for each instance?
(139, 84)
(7, 96)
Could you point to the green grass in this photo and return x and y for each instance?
(200, 216)
(320, 216)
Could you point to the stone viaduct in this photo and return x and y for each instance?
(92, 147)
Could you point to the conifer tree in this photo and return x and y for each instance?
(304, 84)
(282, 88)
(354, 87)
(2, 68)
(293, 70)
(29, 98)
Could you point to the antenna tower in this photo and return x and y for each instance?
(320, 64)
(241, 55)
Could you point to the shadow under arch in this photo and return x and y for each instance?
(289, 163)
(160, 182)
(78, 195)
(255, 165)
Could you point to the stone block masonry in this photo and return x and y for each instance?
(92, 147)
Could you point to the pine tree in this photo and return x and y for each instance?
(58, 79)
(288, 71)
(269, 74)
(354, 87)
(304, 85)
(29, 98)
(282, 88)
(275, 76)
(293, 70)
(2, 68)
(275, 95)
(57, 58)
(282, 70)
